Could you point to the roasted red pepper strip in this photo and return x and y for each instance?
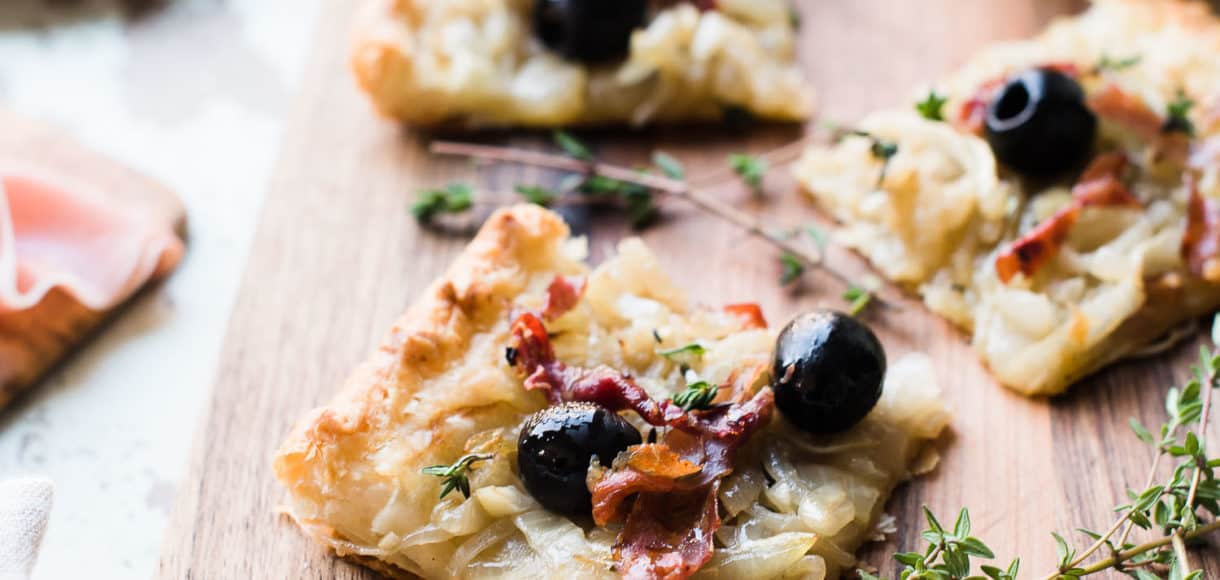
(750, 314)
(1201, 240)
(1099, 185)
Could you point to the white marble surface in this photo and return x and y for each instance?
(193, 93)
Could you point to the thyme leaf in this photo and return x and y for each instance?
(820, 238)
(932, 106)
(693, 349)
(453, 198)
(881, 149)
(669, 165)
(750, 169)
(857, 299)
(792, 268)
(536, 194)
(1177, 115)
(572, 146)
(456, 476)
(698, 394)
(1109, 63)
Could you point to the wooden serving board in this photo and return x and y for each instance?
(338, 257)
(32, 341)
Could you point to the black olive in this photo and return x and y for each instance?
(1038, 123)
(828, 371)
(556, 446)
(590, 31)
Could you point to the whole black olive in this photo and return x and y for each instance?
(828, 371)
(1038, 123)
(556, 445)
(590, 31)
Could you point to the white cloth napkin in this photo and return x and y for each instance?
(25, 505)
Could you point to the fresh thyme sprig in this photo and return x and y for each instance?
(647, 183)
(456, 476)
(1177, 115)
(1109, 63)
(536, 194)
(857, 299)
(1172, 507)
(750, 169)
(453, 198)
(572, 146)
(882, 149)
(792, 268)
(669, 165)
(948, 554)
(932, 106)
(692, 349)
(698, 394)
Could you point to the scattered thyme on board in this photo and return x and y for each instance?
(634, 190)
(1168, 511)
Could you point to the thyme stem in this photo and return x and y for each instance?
(1179, 548)
(1125, 555)
(1201, 433)
(666, 185)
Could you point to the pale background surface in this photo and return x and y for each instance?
(110, 428)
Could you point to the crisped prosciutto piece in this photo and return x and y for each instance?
(52, 237)
(561, 296)
(1113, 103)
(1132, 112)
(669, 529)
(532, 353)
(669, 535)
(1100, 185)
(649, 467)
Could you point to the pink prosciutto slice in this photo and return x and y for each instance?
(53, 235)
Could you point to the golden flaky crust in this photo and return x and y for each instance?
(431, 335)
(475, 64)
(945, 209)
(334, 443)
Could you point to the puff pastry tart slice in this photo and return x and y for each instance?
(530, 418)
(551, 63)
(1058, 198)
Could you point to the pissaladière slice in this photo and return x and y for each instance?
(484, 63)
(1065, 206)
(749, 495)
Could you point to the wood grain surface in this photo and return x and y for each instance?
(34, 340)
(337, 257)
